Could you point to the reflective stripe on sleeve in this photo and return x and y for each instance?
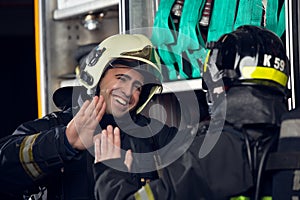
(26, 156)
(240, 198)
(248, 198)
(145, 193)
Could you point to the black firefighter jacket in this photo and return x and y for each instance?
(37, 156)
(225, 160)
(221, 173)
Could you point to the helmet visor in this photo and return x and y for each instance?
(150, 73)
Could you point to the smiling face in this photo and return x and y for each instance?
(121, 88)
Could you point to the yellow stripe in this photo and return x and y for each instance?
(26, 156)
(240, 198)
(206, 60)
(35, 166)
(145, 193)
(149, 192)
(137, 196)
(21, 155)
(154, 90)
(267, 198)
(37, 56)
(268, 73)
(247, 198)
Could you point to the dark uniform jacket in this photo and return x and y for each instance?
(226, 159)
(37, 156)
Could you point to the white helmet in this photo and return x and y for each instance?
(135, 47)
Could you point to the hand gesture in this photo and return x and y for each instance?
(81, 128)
(107, 146)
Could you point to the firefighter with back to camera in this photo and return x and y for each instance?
(245, 75)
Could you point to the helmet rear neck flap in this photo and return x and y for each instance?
(251, 105)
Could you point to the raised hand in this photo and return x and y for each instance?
(81, 128)
(107, 146)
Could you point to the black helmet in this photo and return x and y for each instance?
(250, 55)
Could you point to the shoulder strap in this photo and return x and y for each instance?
(249, 12)
(271, 15)
(274, 23)
(222, 19)
(161, 33)
(281, 22)
(187, 36)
